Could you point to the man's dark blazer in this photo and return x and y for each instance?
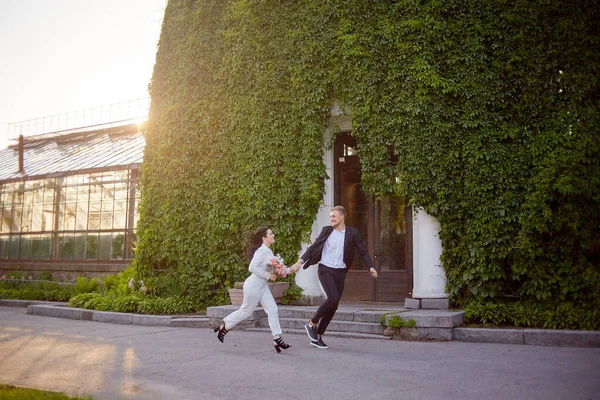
(352, 242)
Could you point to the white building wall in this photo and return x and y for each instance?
(308, 279)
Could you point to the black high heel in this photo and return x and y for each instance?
(280, 344)
(222, 332)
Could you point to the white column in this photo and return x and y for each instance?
(429, 277)
(308, 279)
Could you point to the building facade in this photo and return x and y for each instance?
(69, 201)
(403, 242)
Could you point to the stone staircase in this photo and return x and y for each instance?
(355, 323)
(354, 320)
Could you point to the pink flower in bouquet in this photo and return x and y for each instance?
(278, 267)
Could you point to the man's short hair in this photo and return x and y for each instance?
(340, 209)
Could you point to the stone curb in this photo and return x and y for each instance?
(485, 335)
(25, 303)
(60, 312)
(543, 337)
(535, 337)
(432, 323)
(151, 320)
(199, 322)
(112, 317)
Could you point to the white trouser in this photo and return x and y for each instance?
(256, 290)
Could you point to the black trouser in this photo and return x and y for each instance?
(332, 280)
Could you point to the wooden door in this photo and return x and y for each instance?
(384, 226)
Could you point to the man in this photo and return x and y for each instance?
(334, 252)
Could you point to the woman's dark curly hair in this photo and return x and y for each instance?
(255, 241)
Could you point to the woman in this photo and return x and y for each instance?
(256, 288)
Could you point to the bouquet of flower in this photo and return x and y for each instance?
(278, 267)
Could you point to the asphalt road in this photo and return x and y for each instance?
(108, 361)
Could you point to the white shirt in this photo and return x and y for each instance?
(333, 251)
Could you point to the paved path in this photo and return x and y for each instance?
(109, 361)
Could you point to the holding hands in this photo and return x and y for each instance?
(280, 270)
(297, 266)
(294, 268)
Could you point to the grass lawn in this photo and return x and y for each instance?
(17, 393)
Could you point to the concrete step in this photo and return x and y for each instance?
(357, 315)
(305, 313)
(302, 332)
(338, 326)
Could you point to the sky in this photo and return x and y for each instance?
(60, 56)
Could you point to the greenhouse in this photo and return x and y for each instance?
(68, 200)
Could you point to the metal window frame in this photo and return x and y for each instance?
(56, 232)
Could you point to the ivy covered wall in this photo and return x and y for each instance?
(485, 113)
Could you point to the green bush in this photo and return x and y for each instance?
(44, 291)
(45, 276)
(85, 285)
(167, 305)
(535, 315)
(111, 282)
(294, 292)
(133, 303)
(411, 323)
(396, 322)
(18, 275)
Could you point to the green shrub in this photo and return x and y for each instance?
(411, 323)
(85, 285)
(294, 292)
(45, 276)
(167, 305)
(382, 319)
(535, 315)
(111, 282)
(526, 315)
(491, 312)
(396, 322)
(84, 300)
(18, 275)
(134, 303)
(44, 291)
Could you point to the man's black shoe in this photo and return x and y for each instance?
(311, 331)
(319, 344)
